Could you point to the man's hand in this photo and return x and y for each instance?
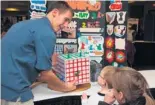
(55, 83)
(69, 86)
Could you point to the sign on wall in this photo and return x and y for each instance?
(37, 8)
(116, 33)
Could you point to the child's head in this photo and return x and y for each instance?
(129, 85)
(104, 76)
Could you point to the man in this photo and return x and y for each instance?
(26, 51)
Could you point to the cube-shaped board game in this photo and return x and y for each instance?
(72, 67)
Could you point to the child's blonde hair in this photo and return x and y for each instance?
(106, 74)
(108, 71)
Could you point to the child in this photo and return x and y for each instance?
(129, 88)
(103, 80)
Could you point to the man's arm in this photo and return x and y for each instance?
(54, 82)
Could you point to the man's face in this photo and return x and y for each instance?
(62, 19)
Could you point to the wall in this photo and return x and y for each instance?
(140, 6)
(149, 6)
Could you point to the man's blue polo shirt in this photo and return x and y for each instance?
(26, 50)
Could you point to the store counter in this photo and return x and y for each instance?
(45, 96)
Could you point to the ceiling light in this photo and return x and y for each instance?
(131, 1)
(12, 9)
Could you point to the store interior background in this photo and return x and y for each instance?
(144, 41)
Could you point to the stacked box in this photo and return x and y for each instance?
(72, 67)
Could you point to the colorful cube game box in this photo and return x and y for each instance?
(72, 67)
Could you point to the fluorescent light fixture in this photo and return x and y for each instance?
(12, 9)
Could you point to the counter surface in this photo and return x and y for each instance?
(41, 92)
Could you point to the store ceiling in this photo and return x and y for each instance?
(21, 5)
(24, 5)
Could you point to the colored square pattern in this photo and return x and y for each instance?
(73, 67)
(58, 49)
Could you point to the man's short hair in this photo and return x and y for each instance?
(62, 6)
